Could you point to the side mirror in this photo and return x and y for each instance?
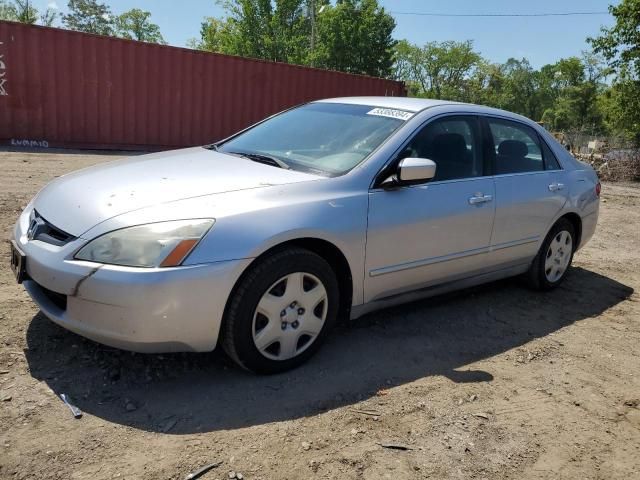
(416, 169)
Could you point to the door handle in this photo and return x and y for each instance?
(479, 198)
(556, 186)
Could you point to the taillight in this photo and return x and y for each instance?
(598, 188)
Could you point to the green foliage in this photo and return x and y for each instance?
(487, 85)
(26, 12)
(48, 18)
(210, 36)
(620, 106)
(264, 29)
(576, 84)
(92, 17)
(563, 95)
(355, 36)
(214, 34)
(135, 25)
(438, 69)
(520, 92)
(620, 46)
(8, 11)
(89, 16)
(23, 11)
(352, 36)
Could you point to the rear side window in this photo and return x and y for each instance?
(517, 147)
(550, 160)
(453, 144)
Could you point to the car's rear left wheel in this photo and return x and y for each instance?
(554, 258)
(281, 311)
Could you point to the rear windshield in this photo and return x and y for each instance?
(326, 138)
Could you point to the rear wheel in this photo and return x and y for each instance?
(281, 311)
(553, 260)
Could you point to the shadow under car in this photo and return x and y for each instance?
(188, 393)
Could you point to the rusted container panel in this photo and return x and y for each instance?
(60, 88)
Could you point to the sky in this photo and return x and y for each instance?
(540, 39)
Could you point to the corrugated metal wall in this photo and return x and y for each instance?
(60, 88)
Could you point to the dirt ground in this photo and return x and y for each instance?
(495, 382)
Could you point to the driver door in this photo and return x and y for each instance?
(421, 235)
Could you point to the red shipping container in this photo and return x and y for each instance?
(60, 88)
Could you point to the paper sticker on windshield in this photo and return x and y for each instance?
(391, 112)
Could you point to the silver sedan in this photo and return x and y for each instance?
(262, 241)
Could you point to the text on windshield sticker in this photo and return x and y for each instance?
(391, 112)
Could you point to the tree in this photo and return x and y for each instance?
(26, 12)
(407, 67)
(49, 17)
(264, 29)
(135, 25)
(620, 106)
(214, 36)
(355, 36)
(89, 16)
(568, 91)
(438, 69)
(8, 11)
(448, 65)
(520, 89)
(23, 11)
(352, 36)
(487, 85)
(620, 46)
(564, 95)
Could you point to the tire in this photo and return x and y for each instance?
(551, 264)
(281, 311)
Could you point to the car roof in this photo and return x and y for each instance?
(419, 104)
(401, 103)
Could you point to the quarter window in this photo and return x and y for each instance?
(452, 143)
(516, 147)
(550, 160)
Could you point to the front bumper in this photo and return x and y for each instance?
(138, 309)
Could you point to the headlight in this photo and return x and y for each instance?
(164, 244)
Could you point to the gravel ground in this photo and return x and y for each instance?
(494, 382)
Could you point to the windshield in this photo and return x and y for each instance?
(325, 138)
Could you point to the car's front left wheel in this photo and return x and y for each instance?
(281, 311)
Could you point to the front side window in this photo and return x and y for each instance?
(325, 138)
(453, 144)
(517, 148)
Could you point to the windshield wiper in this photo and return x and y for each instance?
(260, 158)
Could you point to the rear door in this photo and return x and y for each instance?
(530, 190)
(420, 235)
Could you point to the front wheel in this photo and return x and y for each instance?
(553, 260)
(281, 311)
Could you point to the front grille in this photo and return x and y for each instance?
(58, 299)
(41, 229)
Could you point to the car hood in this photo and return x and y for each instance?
(80, 200)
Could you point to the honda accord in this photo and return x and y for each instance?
(262, 241)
